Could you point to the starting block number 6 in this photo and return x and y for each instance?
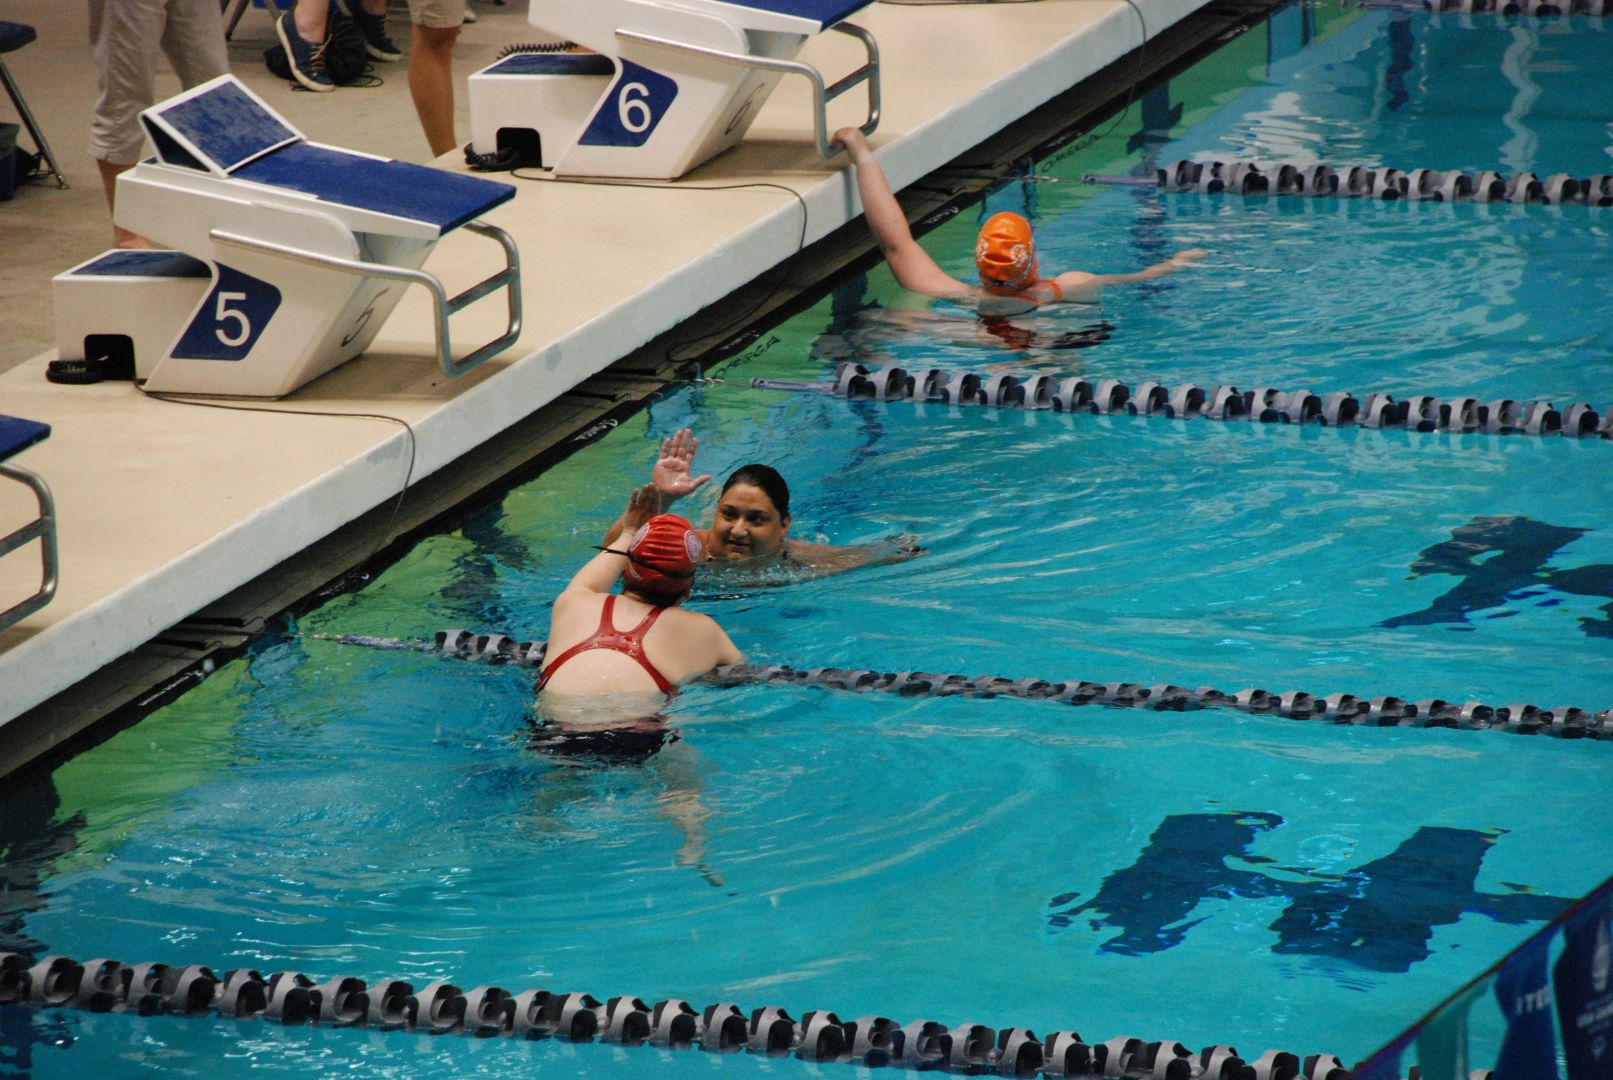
(630, 112)
(633, 110)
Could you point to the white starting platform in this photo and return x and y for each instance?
(161, 508)
(666, 87)
(288, 255)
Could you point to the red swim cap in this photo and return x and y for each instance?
(1005, 254)
(661, 559)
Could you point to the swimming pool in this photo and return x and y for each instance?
(1207, 877)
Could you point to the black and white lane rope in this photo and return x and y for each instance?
(1319, 180)
(1111, 397)
(1385, 710)
(1536, 8)
(292, 998)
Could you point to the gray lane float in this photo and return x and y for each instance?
(293, 999)
(1499, 7)
(1105, 397)
(1384, 710)
(1369, 182)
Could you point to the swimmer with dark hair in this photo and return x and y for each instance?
(591, 656)
(752, 523)
(1005, 252)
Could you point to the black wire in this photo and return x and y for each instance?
(1131, 92)
(408, 473)
(744, 316)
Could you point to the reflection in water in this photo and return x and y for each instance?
(949, 336)
(1379, 916)
(1502, 559)
(583, 735)
(31, 840)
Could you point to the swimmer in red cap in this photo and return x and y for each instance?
(751, 526)
(1005, 253)
(590, 655)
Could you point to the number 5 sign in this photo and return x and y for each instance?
(230, 320)
(630, 112)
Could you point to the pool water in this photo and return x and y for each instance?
(1205, 877)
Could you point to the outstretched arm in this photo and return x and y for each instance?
(1077, 281)
(672, 478)
(599, 574)
(911, 264)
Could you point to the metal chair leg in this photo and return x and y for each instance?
(33, 128)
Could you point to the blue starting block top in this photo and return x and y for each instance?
(444, 199)
(224, 128)
(823, 12)
(553, 64)
(225, 122)
(17, 434)
(145, 263)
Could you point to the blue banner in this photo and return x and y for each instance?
(1585, 994)
(1523, 989)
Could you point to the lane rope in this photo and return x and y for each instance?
(293, 999)
(1269, 405)
(1366, 182)
(1384, 710)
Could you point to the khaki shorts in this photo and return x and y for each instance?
(437, 14)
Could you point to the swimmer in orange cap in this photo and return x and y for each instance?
(590, 655)
(1005, 254)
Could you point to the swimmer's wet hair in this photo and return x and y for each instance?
(767, 478)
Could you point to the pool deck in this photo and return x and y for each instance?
(163, 508)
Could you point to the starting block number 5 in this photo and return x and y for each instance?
(230, 319)
(631, 110)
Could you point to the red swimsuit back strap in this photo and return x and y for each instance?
(627, 642)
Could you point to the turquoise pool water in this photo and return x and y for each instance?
(1206, 877)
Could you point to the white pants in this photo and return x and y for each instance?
(125, 37)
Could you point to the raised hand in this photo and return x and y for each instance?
(643, 503)
(672, 476)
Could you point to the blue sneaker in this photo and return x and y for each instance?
(306, 58)
(376, 42)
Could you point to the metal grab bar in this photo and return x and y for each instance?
(443, 306)
(43, 529)
(867, 73)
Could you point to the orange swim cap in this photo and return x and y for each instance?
(1005, 254)
(662, 557)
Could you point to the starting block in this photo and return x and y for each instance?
(672, 84)
(152, 293)
(304, 250)
(17, 435)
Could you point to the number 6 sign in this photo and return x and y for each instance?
(630, 112)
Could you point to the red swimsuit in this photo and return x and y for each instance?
(626, 642)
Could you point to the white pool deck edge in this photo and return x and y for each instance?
(163, 509)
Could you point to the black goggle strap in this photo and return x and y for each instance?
(680, 574)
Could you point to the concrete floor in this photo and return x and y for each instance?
(46, 229)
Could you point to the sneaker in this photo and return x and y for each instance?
(376, 43)
(470, 12)
(307, 59)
